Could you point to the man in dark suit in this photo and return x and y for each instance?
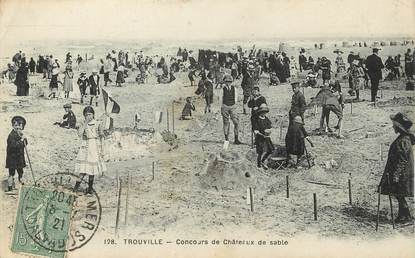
(374, 67)
(94, 87)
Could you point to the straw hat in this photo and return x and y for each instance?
(67, 105)
(298, 120)
(401, 121)
(263, 109)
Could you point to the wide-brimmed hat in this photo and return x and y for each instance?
(338, 51)
(375, 49)
(263, 109)
(295, 84)
(19, 119)
(227, 78)
(298, 120)
(251, 67)
(88, 109)
(402, 121)
(67, 105)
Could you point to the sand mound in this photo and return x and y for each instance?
(318, 174)
(124, 144)
(228, 171)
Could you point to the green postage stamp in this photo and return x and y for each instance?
(43, 222)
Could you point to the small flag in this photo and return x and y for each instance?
(109, 101)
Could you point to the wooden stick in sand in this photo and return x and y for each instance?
(351, 107)
(117, 218)
(350, 190)
(380, 152)
(390, 203)
(126, 199)
(377, 213)
(167, 117)
(172, 115)
(251, 197)
(153, 172)
(315, 205)
(288, 186)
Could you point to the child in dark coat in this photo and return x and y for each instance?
(69, 119)
(294, 140)
(262, 130)
(187, 110)
(15, 159)
(83, 84)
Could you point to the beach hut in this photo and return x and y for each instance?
(345, 44)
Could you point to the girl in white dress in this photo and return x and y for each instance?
(89, 160)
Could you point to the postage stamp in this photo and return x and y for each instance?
(42, 222)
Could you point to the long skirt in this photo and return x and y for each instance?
(89, 160)
(67, 84)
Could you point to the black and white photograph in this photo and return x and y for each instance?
(196, 128)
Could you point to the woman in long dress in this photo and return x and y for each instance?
(89, 160)
(68, 81)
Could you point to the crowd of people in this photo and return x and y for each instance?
(223, 70)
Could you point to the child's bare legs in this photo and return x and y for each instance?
(10, 179)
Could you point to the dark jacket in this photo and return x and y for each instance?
(187, 110)
(15, 151)
(70, 119)
(398, 177)
(94, 89)
(262, 143)
(254, 103)
(298, 105)
(294, 140)
(83, 84)
(374, 67)
(21, 81)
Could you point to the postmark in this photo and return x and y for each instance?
(83, 221)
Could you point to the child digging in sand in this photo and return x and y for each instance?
(187, 110)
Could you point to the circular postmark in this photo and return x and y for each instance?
(57, 218)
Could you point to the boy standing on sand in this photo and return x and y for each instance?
(15, 159)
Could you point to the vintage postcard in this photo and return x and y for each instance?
(196, 128)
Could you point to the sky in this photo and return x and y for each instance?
(202, 19)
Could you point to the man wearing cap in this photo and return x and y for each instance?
(398, 176)
(302, 60)
(298, 103)
(247, 85)
(208, 91)
(94, 87)
(16, 142)
(408, 64)
(374, 67)
(228, 110)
